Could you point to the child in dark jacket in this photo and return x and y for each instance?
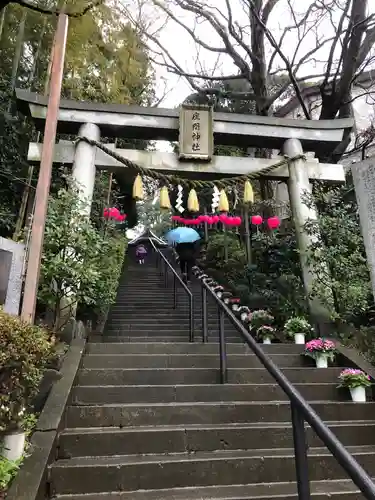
(141, 253)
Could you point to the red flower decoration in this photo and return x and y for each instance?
(235, 221)
(229, 221)
(113, 213)
(256, 220)
(204, 218)
(273, 222)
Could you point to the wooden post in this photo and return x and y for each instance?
(44, 180)
(247, 235)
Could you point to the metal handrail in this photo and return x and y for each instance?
(177, 278)
(300, 409)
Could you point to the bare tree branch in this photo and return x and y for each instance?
(284, 58)
(56, 12)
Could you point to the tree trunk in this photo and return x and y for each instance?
(17, 55)
(22, 211)
(2, 20)
(36, 55)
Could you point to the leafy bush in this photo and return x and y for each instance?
(109, 267)
(339, 243)
(25, 350)
(8, 469)
(82, 261)
(273, 280)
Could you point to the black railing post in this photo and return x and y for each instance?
(174, 292)
(191, 319)
(204, 314)
(223, 349)
(300, 454)
(160, 266)
(165, 275)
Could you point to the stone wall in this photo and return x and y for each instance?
(364, 183)
(11, 267)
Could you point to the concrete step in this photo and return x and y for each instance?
(171, 332)
(169, 315)
(320, 490)
(246, 360)
(164, 376)
(126, 324)
(190, 413)
(122, 394)
(172, 348)
(129, 309)
(159, 301)
(105, 441)
(134, 321)
(111, 337)
(186, 348)
(95, 475)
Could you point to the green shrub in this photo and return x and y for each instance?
(25, 350)
(8, 470)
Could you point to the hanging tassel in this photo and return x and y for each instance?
(215, 199)
(248, 195)
(165, 202)
(193, 203)
(223, 202)
(138, 188)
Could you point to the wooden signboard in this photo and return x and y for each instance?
(196, 133)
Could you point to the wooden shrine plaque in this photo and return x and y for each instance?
(196, 133)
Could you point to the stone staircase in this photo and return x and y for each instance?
(148, 420)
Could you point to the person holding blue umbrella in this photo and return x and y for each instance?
(185, 240)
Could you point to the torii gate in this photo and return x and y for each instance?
(291, 137)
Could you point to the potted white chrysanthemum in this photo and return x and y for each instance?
(297, 328)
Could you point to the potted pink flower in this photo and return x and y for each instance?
(356, 381)
(260, 318)
(235, 303)
(218, 290)
(321, 350)
(226, 296)
(266, 333)
(244, 313)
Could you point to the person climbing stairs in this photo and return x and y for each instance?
(148, 420)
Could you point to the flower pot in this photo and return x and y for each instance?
(358, 394)
(299, 338)
(321, 361)
(235, 307)
(226, 301)
(267, 340)
(219, 294)
(13, 445)
(243, 316)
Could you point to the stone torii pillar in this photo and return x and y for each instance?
(299, 187)
(83, 173)
(84, 168)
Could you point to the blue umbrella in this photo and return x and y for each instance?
(182, 235)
